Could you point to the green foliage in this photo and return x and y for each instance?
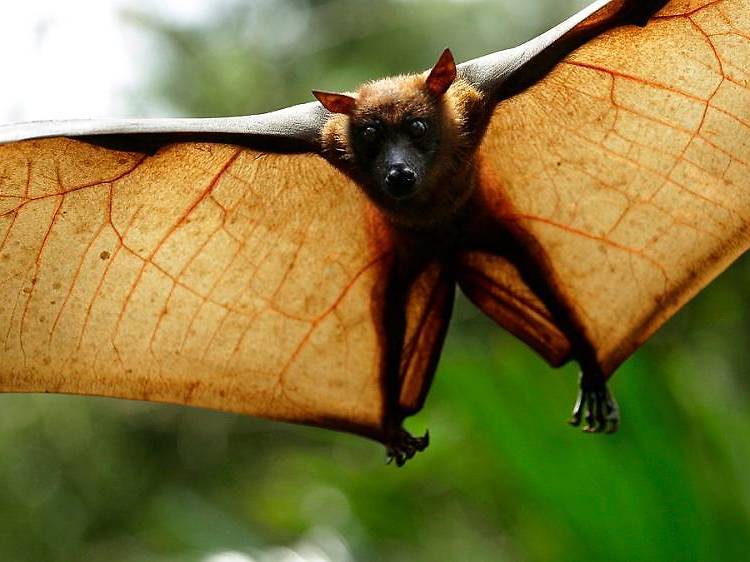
(505, 479)
(259, 55)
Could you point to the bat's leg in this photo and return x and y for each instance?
(400, 445)
(595, 404)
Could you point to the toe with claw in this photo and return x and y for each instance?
(597, 407)
(403, 446)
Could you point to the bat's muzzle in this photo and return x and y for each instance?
(400, 181)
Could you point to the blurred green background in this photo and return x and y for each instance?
(505, 478)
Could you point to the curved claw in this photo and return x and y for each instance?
(403, 446)
(598, 408)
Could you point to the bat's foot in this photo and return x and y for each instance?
(402, 446)
(597, 407)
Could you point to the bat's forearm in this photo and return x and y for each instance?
(289, 130)
(505, 73)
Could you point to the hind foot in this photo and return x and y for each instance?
(402, 446)
(597, 406)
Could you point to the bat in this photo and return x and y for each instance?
(300, 265)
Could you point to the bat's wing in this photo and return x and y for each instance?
(204, 274)
(505, 73)
(292, 129)
(626, 170)
(496, 285)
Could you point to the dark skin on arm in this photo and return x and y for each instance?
(301, 265)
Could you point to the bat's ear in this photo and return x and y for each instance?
(442, 74)
(336, 103)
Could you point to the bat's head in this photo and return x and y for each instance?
(401, 137)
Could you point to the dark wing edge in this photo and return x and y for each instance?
(506, 73)
(293, 129)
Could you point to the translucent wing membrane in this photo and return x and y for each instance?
(206, 275)
(628, 168)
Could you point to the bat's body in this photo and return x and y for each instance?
(303, 268)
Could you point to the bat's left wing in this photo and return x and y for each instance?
(626, 173)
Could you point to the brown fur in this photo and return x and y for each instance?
(452, 177)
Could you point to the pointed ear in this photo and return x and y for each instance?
(442, 74)
(336, 103)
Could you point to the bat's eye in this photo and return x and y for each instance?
(417, 129)
(370, 134)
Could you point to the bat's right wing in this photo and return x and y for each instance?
(205, 274)
(292, 129)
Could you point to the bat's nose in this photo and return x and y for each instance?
(400, 181)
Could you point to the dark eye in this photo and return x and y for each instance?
(370, 134)
(417, 128)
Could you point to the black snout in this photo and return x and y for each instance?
(400, 181)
